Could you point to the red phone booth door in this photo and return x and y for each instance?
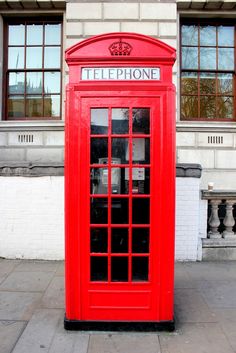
(120, 233)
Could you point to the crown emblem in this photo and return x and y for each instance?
(120, 48)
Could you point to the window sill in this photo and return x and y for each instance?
(206, 126)
(32, 125)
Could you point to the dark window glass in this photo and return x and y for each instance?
(140, 181)
(140, 210)
(120, 121)
(98, 240)
(119, 211)
(99, 268)
(141, 121)
(99, 150)
(98, 211)
(120, 150)
(140, 240)
(119, 269)
(99, 181)
(139, 269)
(189, 83)
(119, 240)
(99, 121)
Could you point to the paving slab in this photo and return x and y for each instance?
(124, 343)
(60, 269)
(182, 277)
(211, 270)
(18, 305)
(196, 338)
(10, 331)
(191, 307)
(6, 267)
(227, 321)
(27, 281)
(39, 333)
(219, 294)
(35, 266)
(54, 297)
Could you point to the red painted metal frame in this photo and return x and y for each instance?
(120, 301)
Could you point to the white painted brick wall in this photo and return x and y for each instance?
(32, 218)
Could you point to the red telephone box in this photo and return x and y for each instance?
(120, 183)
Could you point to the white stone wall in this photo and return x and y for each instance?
(32, 218)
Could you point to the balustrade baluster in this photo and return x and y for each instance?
(229, 221)
(214, 220)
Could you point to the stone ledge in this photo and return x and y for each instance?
(188, 170)
(218, 195)
(219, 243)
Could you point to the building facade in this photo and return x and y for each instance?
(33, 76)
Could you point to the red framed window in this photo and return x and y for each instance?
(33, 69)
(207, 71)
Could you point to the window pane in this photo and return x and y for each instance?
(52, 57)
(120, 149)
(140, 209)
(16, 106)
(140, 269)
(226, 59)
(52, 82)
(189, 58)
(52, 105)
(99, 121)
(141, 120)
(207, 83)
(99, 181)
(53, 34)
(140, 240)
(208, 35)
(16, 82)
(98, 240)
(34, 106)
(119, 211)
(226, 36)
(141, 150)
(189, 35)
(16, 34)
(120, 121)
(34, 58)
(119, 269)
(189, 83)
(225, 107)
(34, 35)
(99, 268)
(34, 82)
(98, 211)
(208, 107)
(16, 58)
(116, 175)
(189, 107)
(99, 150)
(207, 58)
(140, 180)
(119, 240)
(225, 84)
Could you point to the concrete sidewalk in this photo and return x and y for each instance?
(32, 312)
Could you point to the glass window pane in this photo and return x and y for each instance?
(207, 58)
(141, 150)
(139, 269)
(16, 58)
(189, 83)
(98, 240)
(140, 181)
(208, 107)
(98, 211)
(99, 181)
(140, 240)
(120, 121)
(225, 84)
(226, 36)
(226, 59)
(120, 149)
(140, 209)
(16, 34)
(99, 150)
(189, 107)
(16, 82)
(119, 269)
(189, 58)
(224, 107)
(99, 268)
(53, 34)
(34, 57)
(16, 106)
(34, 34)
(208, 35)
(189, 35)
(52, 105)
(116, 174)
(119, 240)
(120, 211)
(99, 121)
(52, 82)
(34, 82)
(207, 83)
(52, 57)
(34, 106)
(141, 120)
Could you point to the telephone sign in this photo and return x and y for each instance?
(120, 183)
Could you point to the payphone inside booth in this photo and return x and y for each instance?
(120, 183)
